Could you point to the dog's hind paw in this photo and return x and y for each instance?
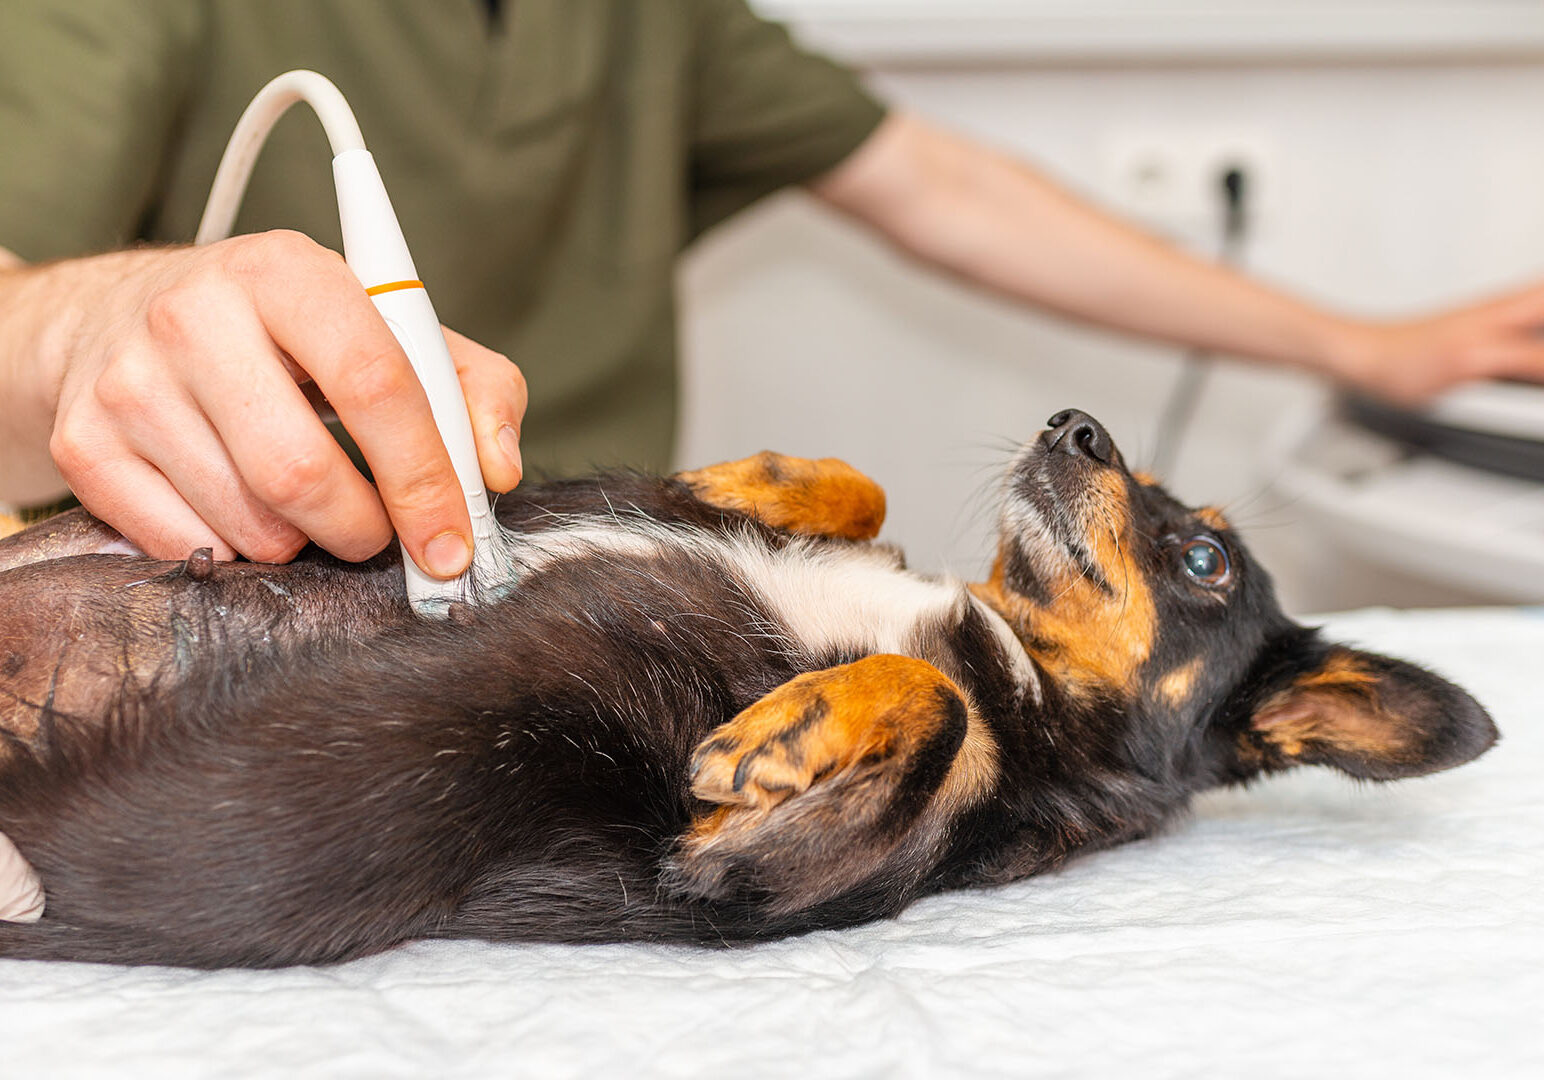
(860, 714)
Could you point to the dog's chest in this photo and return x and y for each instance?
(824, 598)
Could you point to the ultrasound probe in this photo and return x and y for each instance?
(377, 253)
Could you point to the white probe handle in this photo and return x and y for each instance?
(377, 253)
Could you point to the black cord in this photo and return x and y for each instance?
(1180, 406)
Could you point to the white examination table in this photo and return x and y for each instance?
(1308, 927)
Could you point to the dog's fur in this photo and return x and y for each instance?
(711, 711)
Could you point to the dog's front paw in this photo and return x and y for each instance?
(815, 498)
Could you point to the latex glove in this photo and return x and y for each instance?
(21, 893)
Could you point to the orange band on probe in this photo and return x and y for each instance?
(392, 286)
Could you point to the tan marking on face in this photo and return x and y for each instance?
(1212, 518)
(1086, 638)
(1175, 687)
(827, 497)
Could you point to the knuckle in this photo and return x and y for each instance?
(492, 361)
(376, 379)
(298, 479)
(259, 253)
(477, 358)
(423, 490)
(517, 383)
(276, 546)
(423, 495)
(285, 243)
(126, 384)
(363, 540)
(502, 392)
(72, 451)
(173, 314)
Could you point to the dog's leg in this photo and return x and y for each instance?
(835, 779)
(816, 498)
(74, 532)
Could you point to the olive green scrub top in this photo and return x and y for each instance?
(548, 160)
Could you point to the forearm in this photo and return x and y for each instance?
(995, 222)
(30, 330)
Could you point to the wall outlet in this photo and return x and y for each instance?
(1170, 181)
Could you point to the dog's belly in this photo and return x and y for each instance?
(326, 774)
(76, 630)
(815, 602)
(822, 599)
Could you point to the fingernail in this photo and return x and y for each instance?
(509, 442)
(447, 554)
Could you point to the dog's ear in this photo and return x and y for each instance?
(1372, 717)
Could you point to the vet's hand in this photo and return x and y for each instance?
(21, 894)
(1409, 362)
(179, 386)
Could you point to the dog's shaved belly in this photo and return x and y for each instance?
(78, 631)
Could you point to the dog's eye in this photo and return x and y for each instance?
(1204, 560)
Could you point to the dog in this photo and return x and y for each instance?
(713, 710)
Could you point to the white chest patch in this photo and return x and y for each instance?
(844, 598)
(828, 598)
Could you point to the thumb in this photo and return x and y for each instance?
(495, 399)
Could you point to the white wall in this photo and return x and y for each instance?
(1393, 185)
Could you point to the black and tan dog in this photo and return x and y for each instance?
(711, 711)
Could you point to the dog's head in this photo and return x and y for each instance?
(1140, 610)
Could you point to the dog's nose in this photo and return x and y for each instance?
(1074, 432)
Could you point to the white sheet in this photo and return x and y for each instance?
(1307, 927)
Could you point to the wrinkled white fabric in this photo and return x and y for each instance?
(1309, 926)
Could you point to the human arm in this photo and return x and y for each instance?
(167, 388)
(994, 221)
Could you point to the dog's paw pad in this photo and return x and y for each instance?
(758, 760)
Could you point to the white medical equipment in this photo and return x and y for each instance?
(377, 254)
